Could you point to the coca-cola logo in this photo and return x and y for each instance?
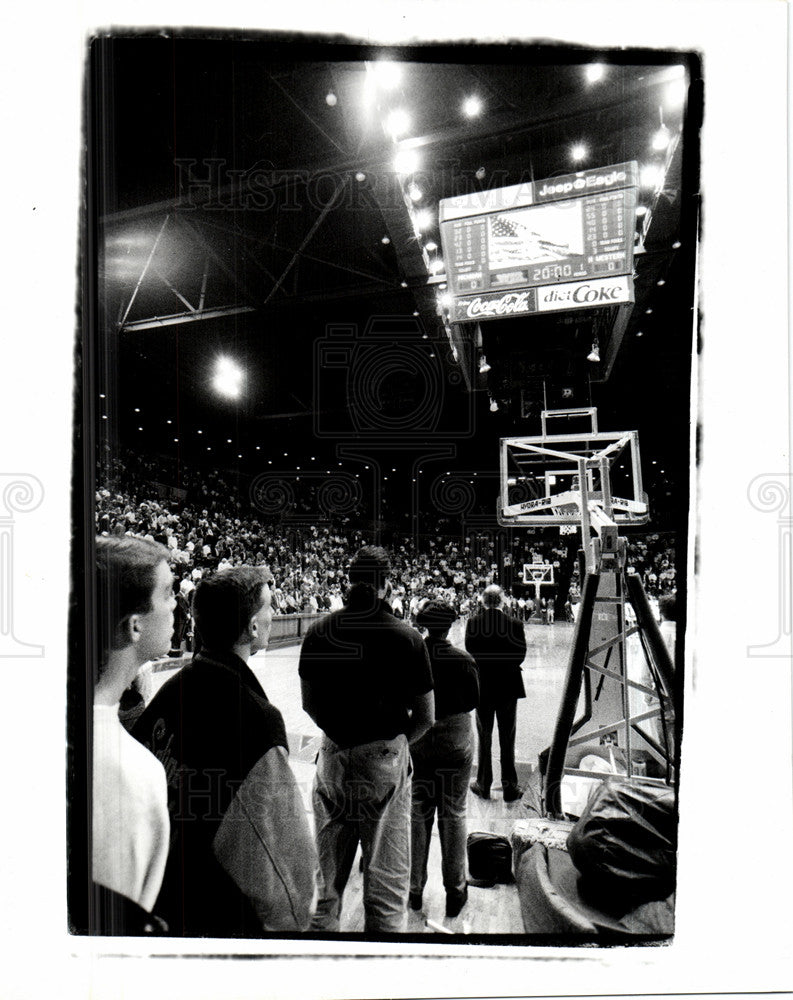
(507, 305)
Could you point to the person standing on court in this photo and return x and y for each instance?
(498, 644)
(442, 761)
(366, 682)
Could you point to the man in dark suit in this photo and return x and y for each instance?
(498, 644)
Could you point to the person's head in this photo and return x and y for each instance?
(369, 571)
(493, 596)
(667, 605)
(135, 598)
(233, 607)
(437, 617)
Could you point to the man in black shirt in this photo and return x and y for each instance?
(442, 761)
(498, 644)
(242, 858)
(367, 684)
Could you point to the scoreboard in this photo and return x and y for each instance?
(504, 249)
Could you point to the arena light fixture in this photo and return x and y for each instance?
(641, 210)
(578, 152)
(398, 123)
(406, 161)
(661, 139)
(675, 95)
(594, 72)
(493, 406)
(415, 192)
(331, 99)
(431, 247)
(387, 73)
(423, 219)
(472, 106)
(650, 176)
(594, 354)
(484, 367)
(437, 266)
(228, 378)
(385, 241)
(360, 176)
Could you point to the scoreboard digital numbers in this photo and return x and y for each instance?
(563, 230)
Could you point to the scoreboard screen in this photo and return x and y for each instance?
(568, 229)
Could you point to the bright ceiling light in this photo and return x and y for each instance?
(641, 210)
(578, 152)
(398, 123)
(415, 192)
(595, 72)
(330, 99)
(675, 94)
(406, 161)
(423, 219)
(360, 177)
(594, 354)
(437, 266)
(228, 378)
(447, 300)
(387, 73)
(493, 406)
(661, 139)
(432, 246)
(472, 106)
(650, 176)
(484, 367)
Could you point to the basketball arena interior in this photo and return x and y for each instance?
(439, 301)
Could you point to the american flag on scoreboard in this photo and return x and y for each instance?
(512, 242)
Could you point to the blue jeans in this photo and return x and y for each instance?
(362, 795)
(441, 771)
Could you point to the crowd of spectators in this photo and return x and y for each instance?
(209, 523)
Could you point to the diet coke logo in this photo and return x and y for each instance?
(507, 305)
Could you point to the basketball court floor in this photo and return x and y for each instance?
(489, 911)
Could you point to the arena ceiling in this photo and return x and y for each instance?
(242, 200)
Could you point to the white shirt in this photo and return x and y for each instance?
(130, 812)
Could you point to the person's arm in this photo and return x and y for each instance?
(264, 844)
(422, 716)
(520, 642)
(308, 687)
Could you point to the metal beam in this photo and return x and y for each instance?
(176, 318)
(309, 236)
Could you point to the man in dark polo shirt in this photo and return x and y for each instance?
(367, 684)
(242, 859)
